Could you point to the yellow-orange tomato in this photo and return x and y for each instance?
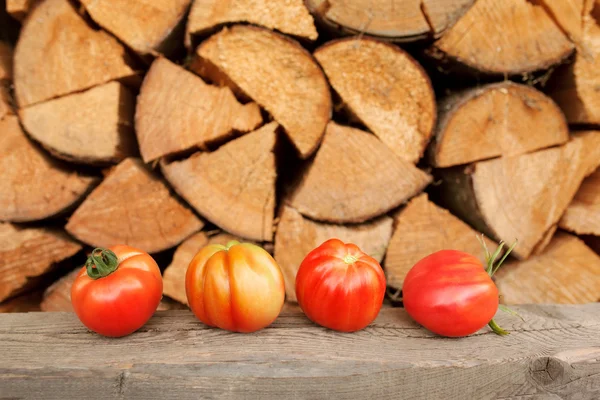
(238, 287)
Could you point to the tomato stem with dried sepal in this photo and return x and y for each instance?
(491, 268)
(102, 264)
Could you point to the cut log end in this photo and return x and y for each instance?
(501, 119)
(290, 17)
(398, 21)
(386, 89)
(423, 228)
(234, 186)
(6, 61)
(92, 127)
(583, 214)
(504, 38)
(18, 9)
(134, 207)
(354, 177)
(567, 272)
(33, 185)
(278, 74)
(29, 302)
(296, 236)
(177, 111)
(28, 253)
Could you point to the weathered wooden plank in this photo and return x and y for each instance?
(554, 353)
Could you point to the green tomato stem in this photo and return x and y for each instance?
(496, 328)
(101, 262)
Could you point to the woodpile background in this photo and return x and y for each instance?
(406, 127)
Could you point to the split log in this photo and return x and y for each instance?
(503, 38)
(500, 119)
(5, 102)
(386, 89)
(422, 228)
(575, 86)
(174, 275)
(234, 186)
(6, 60)
(521, 197)
(567, 272)
(296, 236)
(24, 303)
(92, 127)
(133, 206)
(34, 186)
(58, 53)
(146, 27)
(18, 9)
(354, 177)
(177, 111)
(274, 71)
(287, 16)
(583, 214)
(28, 253)
(396, 20)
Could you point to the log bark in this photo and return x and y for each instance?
(91, 127)
(146, 27)
(287, 16)
(503, 38)
(296, 236)
(234, 186)
(521, 197)
(500, 119)
(18, 9)
(583, 214)
(28, 253)
(386, 89)
(24, 303)
(58, 53)
(567, 272)
(177, 111)
(33, 185)
(398, 21)
(133, 206)
(552, 354)
(266, 67)
(354, 177)
(575, 86)
(422, 228)
(174, 275)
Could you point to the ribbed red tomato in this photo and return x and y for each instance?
(340, 287)
(117, 291)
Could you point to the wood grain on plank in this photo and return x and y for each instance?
(553, 353)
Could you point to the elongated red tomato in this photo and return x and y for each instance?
(451, 293)
(117, 291)
(340, 287)
(237, 287)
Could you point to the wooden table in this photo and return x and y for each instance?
(554, 354)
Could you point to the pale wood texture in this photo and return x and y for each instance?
(177, 110)
(552, 354)
(504, 37)
(296, 236)
(33, 185)
(6, 60)
(287, 16)
(522, 197)
(234, 186)
(146, 26)
(396, 20)
(422, 228)
(28, 302)
(354, 177)
(58, 53)
(583, 214)
(27, 253)
(575, 86)
(174, 275)
(500, 119)
(386, 89)
(18, 9)
(133, 206)
(278, 74)
(567, 272)
(94, 126)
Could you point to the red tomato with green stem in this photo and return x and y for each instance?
(117, 291)
(452, 294)
(340, 287)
